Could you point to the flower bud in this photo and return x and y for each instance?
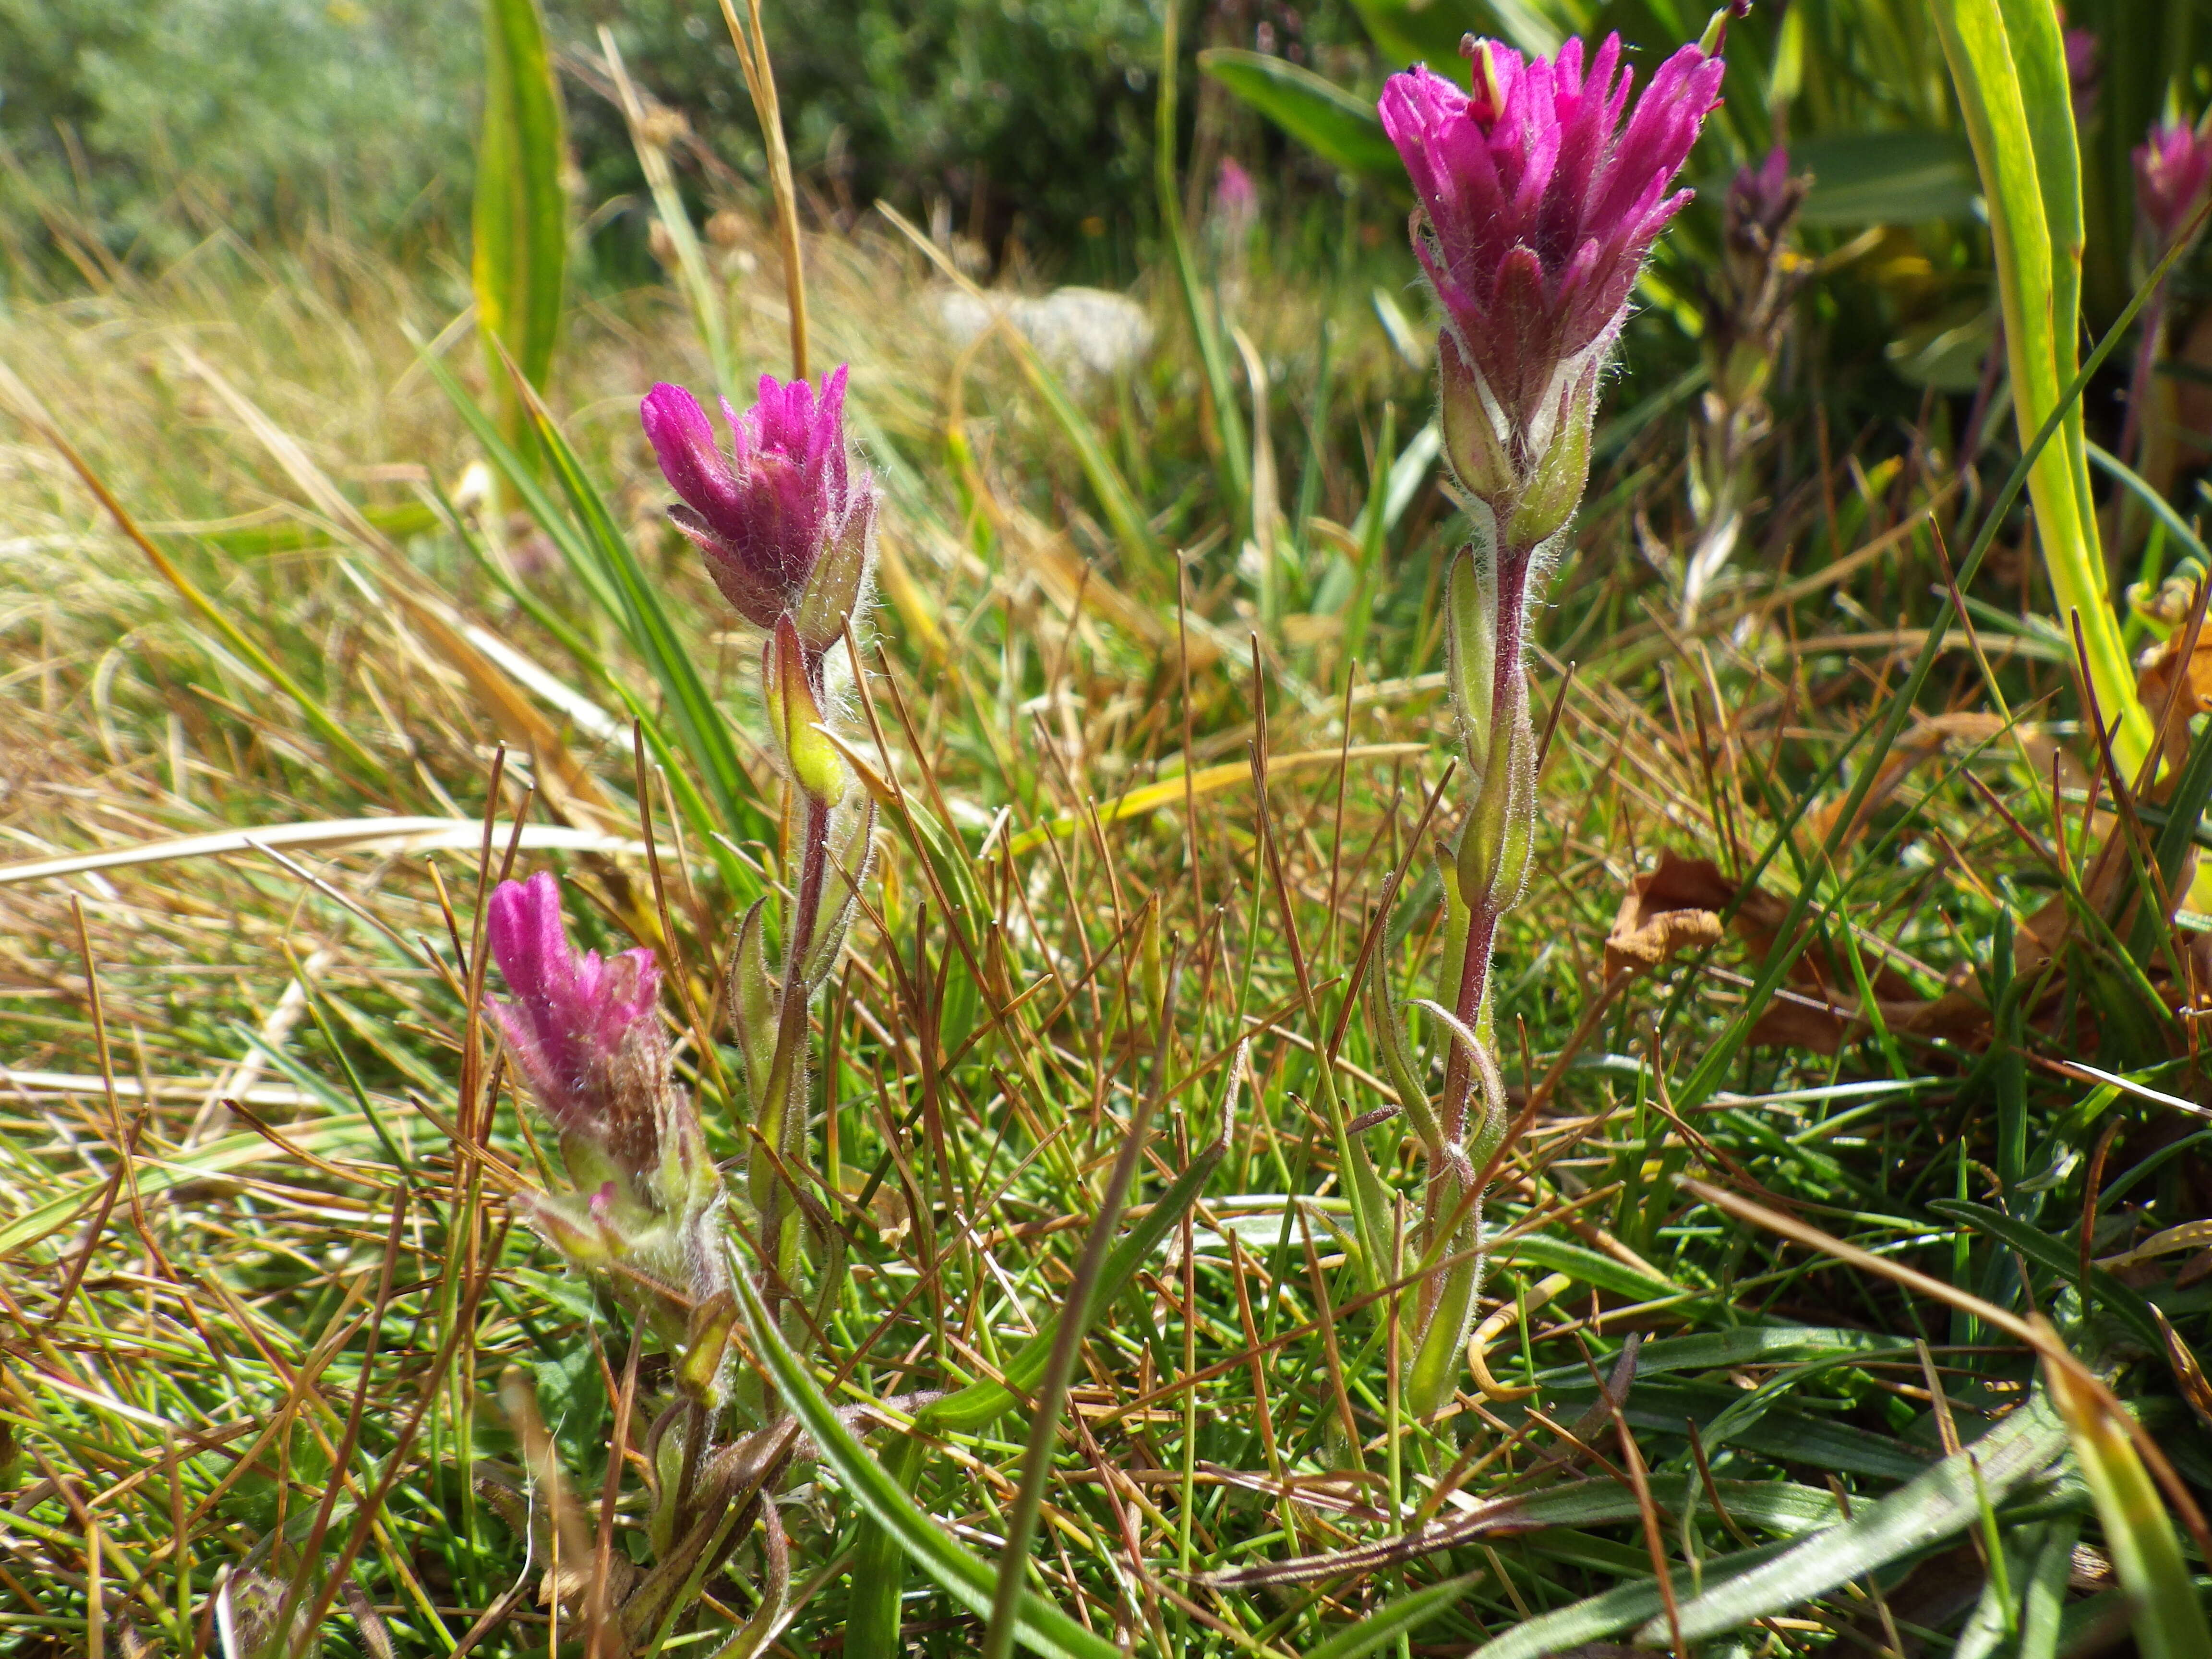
(2173, 178)
(1475, 446)
(795, 713)
(1471, 650)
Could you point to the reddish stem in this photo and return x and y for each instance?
(783, 1097)
(1507, 692)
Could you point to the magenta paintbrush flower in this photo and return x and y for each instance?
(584, 1032)
(2173, 176)
(785, 517)
(1537, 208)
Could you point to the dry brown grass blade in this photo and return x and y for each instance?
(516, 716)
(760, 83)
(33, 413)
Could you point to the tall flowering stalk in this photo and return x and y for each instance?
(1537, 208)
(785, 519)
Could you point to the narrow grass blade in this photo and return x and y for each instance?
(2169, 1621)
(699, 722)
(699, 286)
(1397, 1617)
(2159, 507)
(964, 1575)
(521, 220)
(152, 1175)
(2060, 1257)
(980, 1404)
(1945, 1500)
(1232, 449)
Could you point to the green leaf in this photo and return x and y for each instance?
(963, 1576)
(2008, 65)
(1615, 1610)
(1343, 130)
(872, 1611)
(1586, 1265)
(1747, 1344)
(2047, 1250)
(1779, 1431)
(520, 223)
(1941, 1501)
(1885, 178)
(1394, 1619)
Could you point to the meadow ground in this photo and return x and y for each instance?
(1785, 1022)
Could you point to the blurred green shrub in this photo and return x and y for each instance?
(363, 109)
(1024, 118)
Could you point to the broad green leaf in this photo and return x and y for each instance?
(1747, 1344)
(964, 1577)
(520, 224)
(2009, 64)
(872, 1611)
(1618, 1609)
(1341, 128)
(2037, 1557)
(1586, 1265)
(1940, 1502)
(1885, 178)
(1779, 1431)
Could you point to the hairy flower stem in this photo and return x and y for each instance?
(1486, 672)
(1493, 821)
(783, 1122)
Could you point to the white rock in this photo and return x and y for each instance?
(1082, 332)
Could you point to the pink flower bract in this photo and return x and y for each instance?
(785, 496)
(583, 1032)
(1537, 206)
